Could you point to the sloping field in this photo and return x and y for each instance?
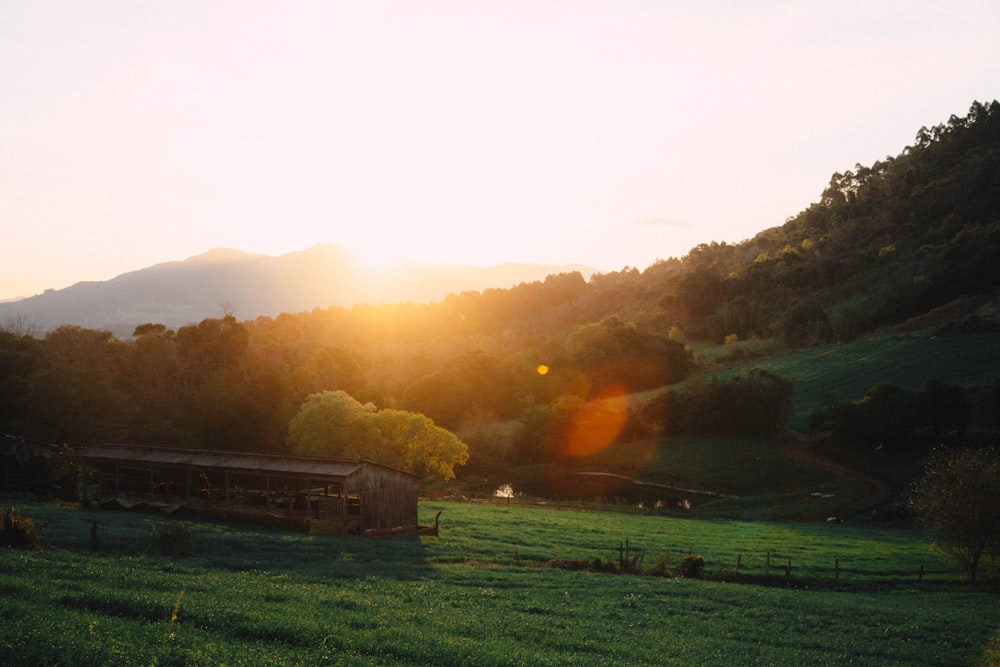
(835, 373)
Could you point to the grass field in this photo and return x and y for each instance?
(827, 374)
(480, 595)
(746, 478)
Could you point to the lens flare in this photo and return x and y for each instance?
(543, 369)
(598, 423)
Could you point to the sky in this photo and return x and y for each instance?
(603, 133)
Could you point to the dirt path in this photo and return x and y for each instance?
(861, 490)
(659, 486)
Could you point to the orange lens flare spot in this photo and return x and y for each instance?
(598, 424)
(543, 369)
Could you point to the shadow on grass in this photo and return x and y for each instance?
(234, 547)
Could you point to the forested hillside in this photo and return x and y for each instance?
(515, 371)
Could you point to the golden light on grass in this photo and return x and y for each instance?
(598, 423)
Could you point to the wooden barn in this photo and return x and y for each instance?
(354, 496)
(24, 463)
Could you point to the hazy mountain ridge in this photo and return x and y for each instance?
(251, 285)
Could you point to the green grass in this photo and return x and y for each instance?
(827, 374)
(746, 478)
(478, 594)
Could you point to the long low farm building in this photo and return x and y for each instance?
(345, 495)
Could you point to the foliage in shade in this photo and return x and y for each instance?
(758, 404)
(18, 531)
(958, 499)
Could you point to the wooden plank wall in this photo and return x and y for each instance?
(388, 498)
(389, 507)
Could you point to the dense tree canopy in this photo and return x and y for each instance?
(891, 416)
(757, 404)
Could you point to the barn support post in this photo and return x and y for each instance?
(362, 513)
(343, 505)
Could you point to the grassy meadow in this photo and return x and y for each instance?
(827, 374)
(479, 594)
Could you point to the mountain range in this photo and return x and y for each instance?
(251, 285)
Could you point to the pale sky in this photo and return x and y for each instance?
(606, 133)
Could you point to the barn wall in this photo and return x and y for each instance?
(388, 498)
(371, 497)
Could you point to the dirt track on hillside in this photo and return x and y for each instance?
(862, 490)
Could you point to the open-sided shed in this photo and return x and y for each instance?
(347, 495)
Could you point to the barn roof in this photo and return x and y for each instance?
(231, 461)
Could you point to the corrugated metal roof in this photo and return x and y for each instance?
(232, 461)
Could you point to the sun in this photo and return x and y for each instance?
(385, 254)
(381, 259)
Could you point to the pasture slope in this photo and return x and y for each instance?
(769, 478)
(828, 374)
(480, 594)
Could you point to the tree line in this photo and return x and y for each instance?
(276, 385)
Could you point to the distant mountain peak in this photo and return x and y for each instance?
(182, 292)
(220, 256)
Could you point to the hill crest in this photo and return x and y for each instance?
(251, 285)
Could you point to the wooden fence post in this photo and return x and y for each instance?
(767, 565)
(788, 570)
(736, 570)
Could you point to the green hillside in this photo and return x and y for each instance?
(832, 373)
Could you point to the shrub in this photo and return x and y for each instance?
(692, 567)
(18, 531)
(171, 539)
(662, 566)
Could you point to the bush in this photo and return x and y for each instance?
(18, 531)
(662, 566)
(692, 567)
(171, 539)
